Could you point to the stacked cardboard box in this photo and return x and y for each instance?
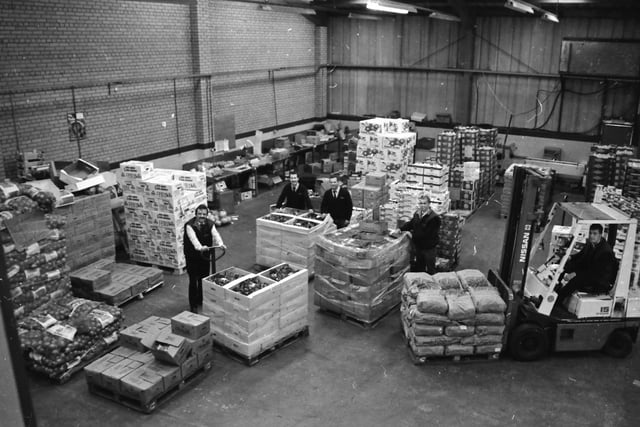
(448, 151)
(450, 237)
(114, 283)
(544, 196)
(601, 169)
(389, 214)
(89, 230)
(154, 358)
(371, 193)
(290, 238)
(487, 157)
(431, 175)
(469, 195)
(385, 145)
(250, 324)
(406, 195)
(468, 137)
(359, 271)
(631, 186)
(623, 154)
(487, 137)
(157, 204)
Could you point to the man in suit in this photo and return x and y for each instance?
(593, 269)
(337, 203)
(294, 195)
(424, 228)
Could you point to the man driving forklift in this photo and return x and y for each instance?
(592, 270)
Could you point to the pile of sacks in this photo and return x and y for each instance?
(452, 314)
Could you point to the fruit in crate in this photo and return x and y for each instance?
(315, 215)
(277, 218)
(249, 286)
(304, 224)
(279, 273)
(225, 277)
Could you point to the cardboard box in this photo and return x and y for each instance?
(171, 374)
(189, 366)
(93, 371)
(114, 293)
(585, 305)
(376, 179)
(136, 169)
(90, 278)
(190, 325)
(111, 377)
(170, 348)
(142, 385)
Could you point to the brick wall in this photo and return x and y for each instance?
(60, 43)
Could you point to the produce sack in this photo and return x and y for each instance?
(427, 350)
(458, 350)
(482, 340)
(488, 349)
(430, 319)
(459, 331)
(427, 330)
(441, 340)
(420, 280)
(431, 301)
(472, 279)
(447, 280)
(490, 319)
(460, 306)
(487, 300)
(489, 330)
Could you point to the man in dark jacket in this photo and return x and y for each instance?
(337, 203)
(200, 235)
(424, 228)
(592, 269)
(294, 195)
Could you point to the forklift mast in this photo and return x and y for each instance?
(520, 227)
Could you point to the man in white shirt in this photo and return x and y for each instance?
(200, 235)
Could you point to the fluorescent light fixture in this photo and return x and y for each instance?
(548, 16)
(287, 9)
(444, 16)
(364, 17)
(372, 5)
(518, 6)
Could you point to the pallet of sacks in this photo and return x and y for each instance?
(114, 283)
(60, 337)
(254, 313)
(290, 237)
(359, 271)
(156, 358)
(454, 315)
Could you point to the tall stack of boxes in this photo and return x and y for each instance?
(631, 187)
(623, 154)
(487, 137)
(371, 193)
(450, 237)
(89, 230)
(157, 205)
(487, 158)
(601, 168)
(406, 195)
(468, 140)
(448, 151)
(385, 145)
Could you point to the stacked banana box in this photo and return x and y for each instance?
(114, 283)
(89, 230)
(468, 137)
(157, 205)
(385, 145)
(544, 196)
(465, 186)
(450, 238)
(372, 192)
(623, 155)
(452, 314)
(290, 237)
(601, 169)
(631, 187)
(487, 137)
(448, 150)
(488, 160)
(251, 324)
(406, 195)
(154, 357)
(359, 271)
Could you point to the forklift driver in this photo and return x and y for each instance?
(591, 270)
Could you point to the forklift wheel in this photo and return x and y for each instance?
(619, 344)
(528, 342)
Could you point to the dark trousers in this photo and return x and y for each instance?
(425, 260)
(340, 222)
(580, 284)
(197, 270)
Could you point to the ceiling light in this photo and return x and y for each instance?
(364, 17)
(518, 6)
(382, 8)
(548, 16)
(287, 9)
(444, 16)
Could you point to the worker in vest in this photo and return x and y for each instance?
(200, 235)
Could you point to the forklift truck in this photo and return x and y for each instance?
(537, 322)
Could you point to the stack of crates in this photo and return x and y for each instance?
(601, 169)
(468, 137)
(487, 158)
(623, 154)
(631, 186)
(487, 137)
(450, 237)
(447, 149)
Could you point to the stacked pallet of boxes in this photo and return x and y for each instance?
(114, 283)
(631, 187)
(487, 158)
(385, 145)
(448, 150)
(450, 241)
(601, 169)
(89, 230)
(470, 186)
(157, 204)
(487, 137)
(251, 313)
(155, 357)
(468, 137)
(290, 237)
(623, 155)
(371, 193)
(452, 314)
(389, 214)
(405, 194)
(359, 271)
(544, 195)
(434, 178)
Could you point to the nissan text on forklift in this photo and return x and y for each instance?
(537, 322)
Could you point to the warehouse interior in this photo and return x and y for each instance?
(232, 97)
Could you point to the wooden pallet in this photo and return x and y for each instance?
(428, 360)
(169, 270)
(141, 294)
(251, 361)
(148, 407)
(364, 324)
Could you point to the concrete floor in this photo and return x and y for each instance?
(344, 376)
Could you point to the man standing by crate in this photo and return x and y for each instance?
(200, 235)
(337, 203)
(294, 195)
(425, 229)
